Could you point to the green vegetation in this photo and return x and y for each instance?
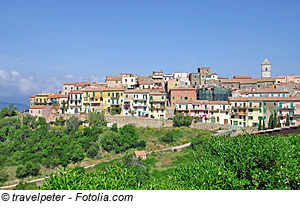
(8, 112)
(181, 120)
(244, 162)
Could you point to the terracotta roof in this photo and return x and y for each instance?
(146, 82)
(248, 81)
(113, 78)
(38, 106)
(157, 92)
(192, 101)
(242, 77)
(214, 73)
(113, 89)
(69, 83)
(220, 77)
(182, 88)
(140, 153)
(158, 71)
(264, 98)
(137, 91)
(94, 89)
(58, 96)
(286, 85)
(218, 102)
(76, 92)
(269, 90)
(32, 96)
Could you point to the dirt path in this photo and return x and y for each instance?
(89, 166)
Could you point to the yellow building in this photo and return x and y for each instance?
(41, 99)
(157, 103)
(245, 112)
(93, 99)
(113, 100)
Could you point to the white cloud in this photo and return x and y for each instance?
(15, 84)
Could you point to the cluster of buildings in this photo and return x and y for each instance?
(240, 101)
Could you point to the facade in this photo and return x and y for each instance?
(248, 84)
(75, 103)
(146, 84)
(288, 79)
(180, 94)
(219, 112)
(212, 93)
(56, 102)
(157, 102)
(168, 77)
(41, 99)
(136, 102)
(40, 111)
(158, 79)
(32, 100)
(113, 100)
(114, 81)
(194, 108)
(67, 88)
(93, 99)
(292, 90)
(129, 80)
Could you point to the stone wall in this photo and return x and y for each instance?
(137, 121)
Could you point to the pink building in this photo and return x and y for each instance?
(40, 111)
(32, 100)
(68, 87)
(55, 102)
(193, 108)
(114, 81)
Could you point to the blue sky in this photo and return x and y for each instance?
(45, 43)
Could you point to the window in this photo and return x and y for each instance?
(108, 100)
(195, 76)
(280, 105)
(251, 110)
(180, 97)
(259, 110)
(126, 96)
(185, 92)
(39, 111)
(274, 110)
(162, 98)
(179, 106)
(176, 79)
(173, 97)
(265, 104)
(250, 117)
(108, 94)
(125, 80)
(265, 110)
(186, 98)
(65, 88)
(266, 69)
(250, 104)
(274, 103)
(272, 95)
(31, 111)
(292, 105)
(175, 85)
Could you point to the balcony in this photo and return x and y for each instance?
(159, 108)
(140, 99)
(286, 108)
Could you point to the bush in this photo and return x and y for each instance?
(26, 186)
(181, 120)
(92, 152)
(3, 176)
(30, 168)
(168, 137)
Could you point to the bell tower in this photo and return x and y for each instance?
(266, 69)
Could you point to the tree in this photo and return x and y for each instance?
(181, 120)
(115, 127)
(92, 152)
(30, 168)
(97, 119)
(275, 121)
(59, 121)
(287, 120)
(3, 176)
(264, 124)
(168, 137)
(73, 123)
(29, 120)
(259, 125)
(8, 112)
(270, 124)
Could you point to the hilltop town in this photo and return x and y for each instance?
(239, 101)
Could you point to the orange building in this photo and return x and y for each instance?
(181, 94)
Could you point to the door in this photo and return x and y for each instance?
(213, 120)
(225, 121)
(76, 110)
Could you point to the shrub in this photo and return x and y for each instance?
(168, 137)
(30, 168)
(92, 152)
(3, 176)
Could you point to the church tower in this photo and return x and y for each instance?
(266, 69)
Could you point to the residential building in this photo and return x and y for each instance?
(146, 84)
(181, 93)
(213, 93)
(219, 112)
(140, 154)
(200, 77)
(136, 102)
(32, 100)
(129, 81)
(113, 100)
(57, 103)
(288, 79)
(93, 99)
(270, 92)
(194, 108)
(114, 81)
(40, 111)
(289, 88)
(158, 79)
(75, 103)
(177, 82)
(41, 99)
(157, 102)
(168, 77)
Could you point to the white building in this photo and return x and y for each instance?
(75, 102)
